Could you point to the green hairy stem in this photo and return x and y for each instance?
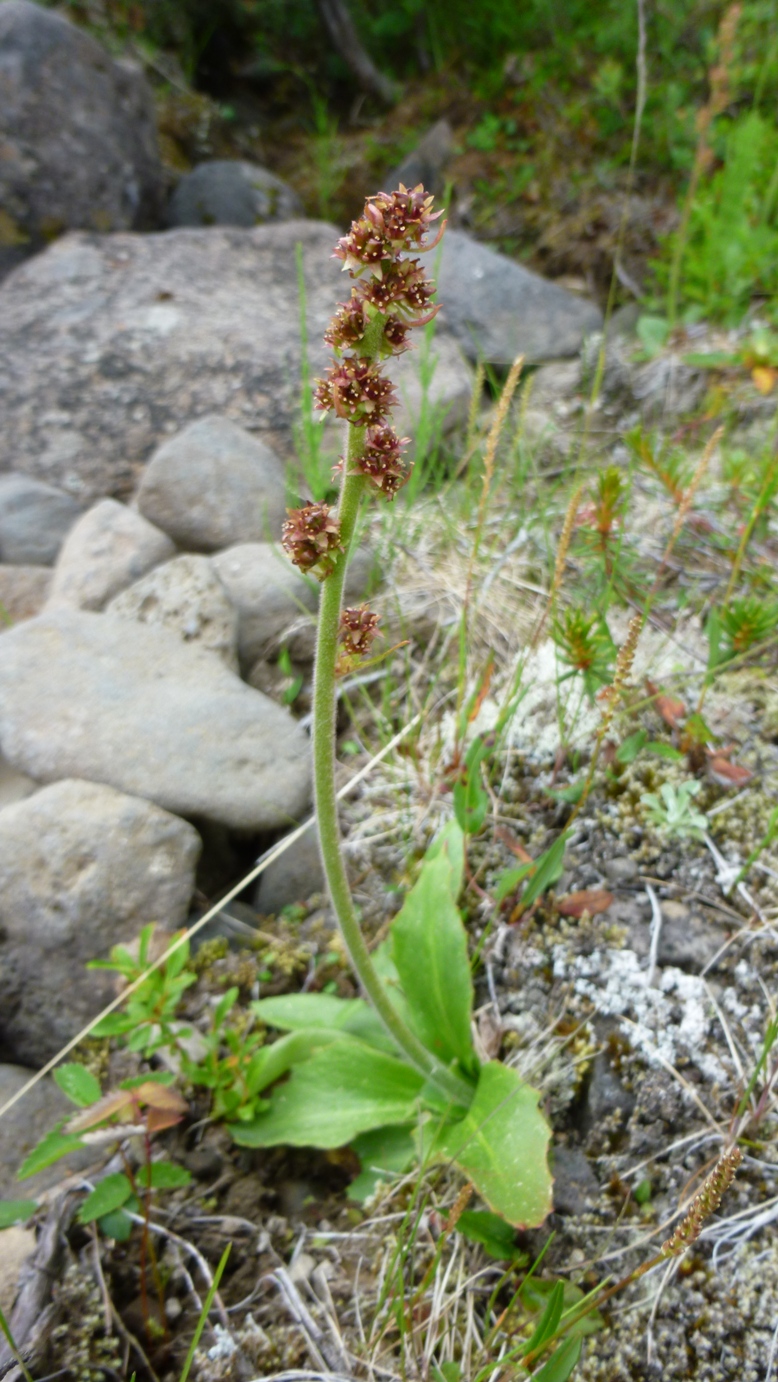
(453, 1088)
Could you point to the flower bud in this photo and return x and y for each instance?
(382, 460)
(358, 628)
(311, 538)
(356, 390)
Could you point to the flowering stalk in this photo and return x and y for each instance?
(385, 302)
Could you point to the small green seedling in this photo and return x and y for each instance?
(673, 811)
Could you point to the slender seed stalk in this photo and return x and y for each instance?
(323, 733)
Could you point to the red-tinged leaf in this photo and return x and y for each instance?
(482, 692)
(591, 900)
(671, 710)
(727, 774)
(159, 1119)
(515, 846)
(117, 1103)
(161, 1096)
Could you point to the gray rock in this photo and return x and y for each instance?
(23, 591)
(292, 877)
(426, 163)
(83, 695)
(84, 867)
(230, 192)
(606, 1095)
(185, 595)
(686, 941)
(14, 786)
(108, 548)
(109, 343)
(78, 131)
(213, 485)
(18, 1245)
(269, 594)
(575, 1184)
(23, 1126)
(34, 518)
(621, 870)
(498, 310)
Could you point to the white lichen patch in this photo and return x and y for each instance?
(668, 1021)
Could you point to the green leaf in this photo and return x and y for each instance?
(713, 630)
(110, 1194)
(447, 1372)
(471, 801)
(165, 1175)
(492, 1232)
(661, 750)
(429, 946)
(115, 1024)
(550, 1318)
(16, 1211)
(51, 1148)
(269, 1063)
(224, 1005)
(295, 1012)
(330, 1099)
(383, 1153)
(450, 840)
(536, 1293)
(79, 1084)
(561, 1363)
(501, 1145)
(508, 881)
(547, 870)
(117, 1225)
(629, 749)
(652, 333)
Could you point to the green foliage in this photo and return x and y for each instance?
(584, 643)
(746, 622)
(496, 1237)
(731, 251)
(16, 1212)
(471, 801)
(79, 1084)
(673, 810)
(344, 1086)
(150, 1010)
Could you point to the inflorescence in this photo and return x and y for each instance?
(391, 295)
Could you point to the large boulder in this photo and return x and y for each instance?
(185, 595)
(96, 697)
(34, 519)
(497, 309)
(83, 868)
(110, 343)
(268, 592)
(78, 132)
(231, 192)
(107, 549)
(23, 592)
(213, 485)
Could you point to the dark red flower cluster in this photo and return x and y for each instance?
(393, 223)
(356, 390)
(311, 538)
(392, 295)
(382, 460)
(358, 628)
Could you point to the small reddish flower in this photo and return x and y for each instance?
(311, 538)
(403, 289)
(347, 329)
(382, 460)
(358, 628)
(392, 222)
(356, 390)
